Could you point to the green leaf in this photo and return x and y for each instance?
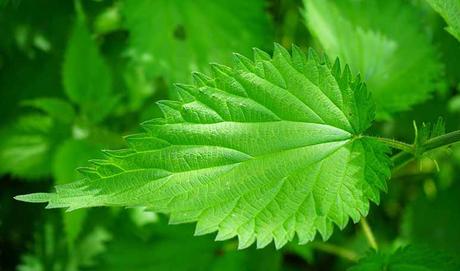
(426, 132)
(410, 258)
(91, 246)
(394, 55)
(27, 146)
(449, 48)
(86, 77)
(56, 108)
(429, 131)
(109, 20)
(263, 151)
(171, 38)
(454, 104)
(450, 11)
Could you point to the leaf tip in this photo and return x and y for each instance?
(259, 54)
(34, 198)
(200, 79)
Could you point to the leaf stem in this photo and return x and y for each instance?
(396, 144)
(400, 160)
(336, 250)
(368, 233)
(403, 158)
(440, 141)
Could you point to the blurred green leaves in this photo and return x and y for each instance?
(50, 253)
(172, 38)
(165, 247)
(362, 34)
(86, 77)
(27, 146)
(29, 71)
(440, 231)
(55, 108)
(409, 258)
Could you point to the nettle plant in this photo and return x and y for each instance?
(278, 147)
(268, 150)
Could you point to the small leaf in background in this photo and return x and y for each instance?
(86, 77)
(90, 247)
(449, 50)
(138, 86)
(141, 217)
(57, 109)
(49, 251)
(277, 141)
(410, 258)
(425, 132)
(107, 21)
(172, 38)
(454, 103)
(361, 34)
(450, 11)
(28, 145)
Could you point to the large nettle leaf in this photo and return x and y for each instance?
(265, 150)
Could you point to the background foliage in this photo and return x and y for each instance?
(76, 76)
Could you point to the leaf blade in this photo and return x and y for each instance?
(86, 77)
(259, 166)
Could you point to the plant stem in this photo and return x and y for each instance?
(400, 160)
(396, 144)
(403, 158)
(336, 250)
(368, 233)
(441, 141)
(79, 9)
